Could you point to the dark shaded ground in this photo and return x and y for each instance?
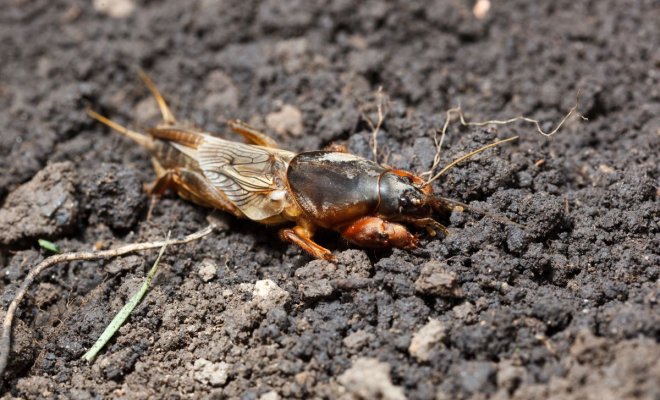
(567, 308)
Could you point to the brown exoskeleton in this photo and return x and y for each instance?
(368, 204)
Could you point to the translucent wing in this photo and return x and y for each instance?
(250, 176)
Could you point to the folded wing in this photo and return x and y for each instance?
(252, 177)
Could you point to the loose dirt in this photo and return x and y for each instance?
(566, 307)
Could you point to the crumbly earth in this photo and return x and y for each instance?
(565, 307)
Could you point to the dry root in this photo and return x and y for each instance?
(382, 105)
(5, 340)
(459, 111)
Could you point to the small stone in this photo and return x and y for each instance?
(358, 339)
(304, 378)
(245, 287)
(272, 395)
(267, 295)
(428, 336)
(292, 53)
(207, 372)
(287, 121)
(435, 280)
(115, 8)
(464, 310)
(480, 9)
(369, 378)
(207, 270)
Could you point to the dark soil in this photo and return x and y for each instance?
(565, 308)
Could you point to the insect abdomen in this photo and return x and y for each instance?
(171, 158)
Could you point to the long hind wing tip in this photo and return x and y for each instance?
(165, 111)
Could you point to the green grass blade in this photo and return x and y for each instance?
(48, 245)
(123, 314)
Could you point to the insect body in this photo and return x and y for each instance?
(368, 204)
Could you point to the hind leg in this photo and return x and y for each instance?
(251, 134)
(302, 236)
(158, 187)
(191, 186)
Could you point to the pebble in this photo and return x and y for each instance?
(272, 395)
(435, 280)
(115, 8)
(287, 121)
(369, 378)
(266, 295)
(464, 310)
(207, 372)
(358, 339)
(207, 270)
(428, 336)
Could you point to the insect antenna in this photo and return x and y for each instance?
(466, 156)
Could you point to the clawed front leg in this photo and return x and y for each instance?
(376, 232)
(432, 226)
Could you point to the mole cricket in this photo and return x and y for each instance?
(368, 204)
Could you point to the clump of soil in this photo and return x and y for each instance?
(564, 307)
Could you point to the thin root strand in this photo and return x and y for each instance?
(382, 109)
(466, 156)
(459, 111)
(5, 340)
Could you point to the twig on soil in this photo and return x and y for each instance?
(5, 340)
(125, 311)
(459, 111)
